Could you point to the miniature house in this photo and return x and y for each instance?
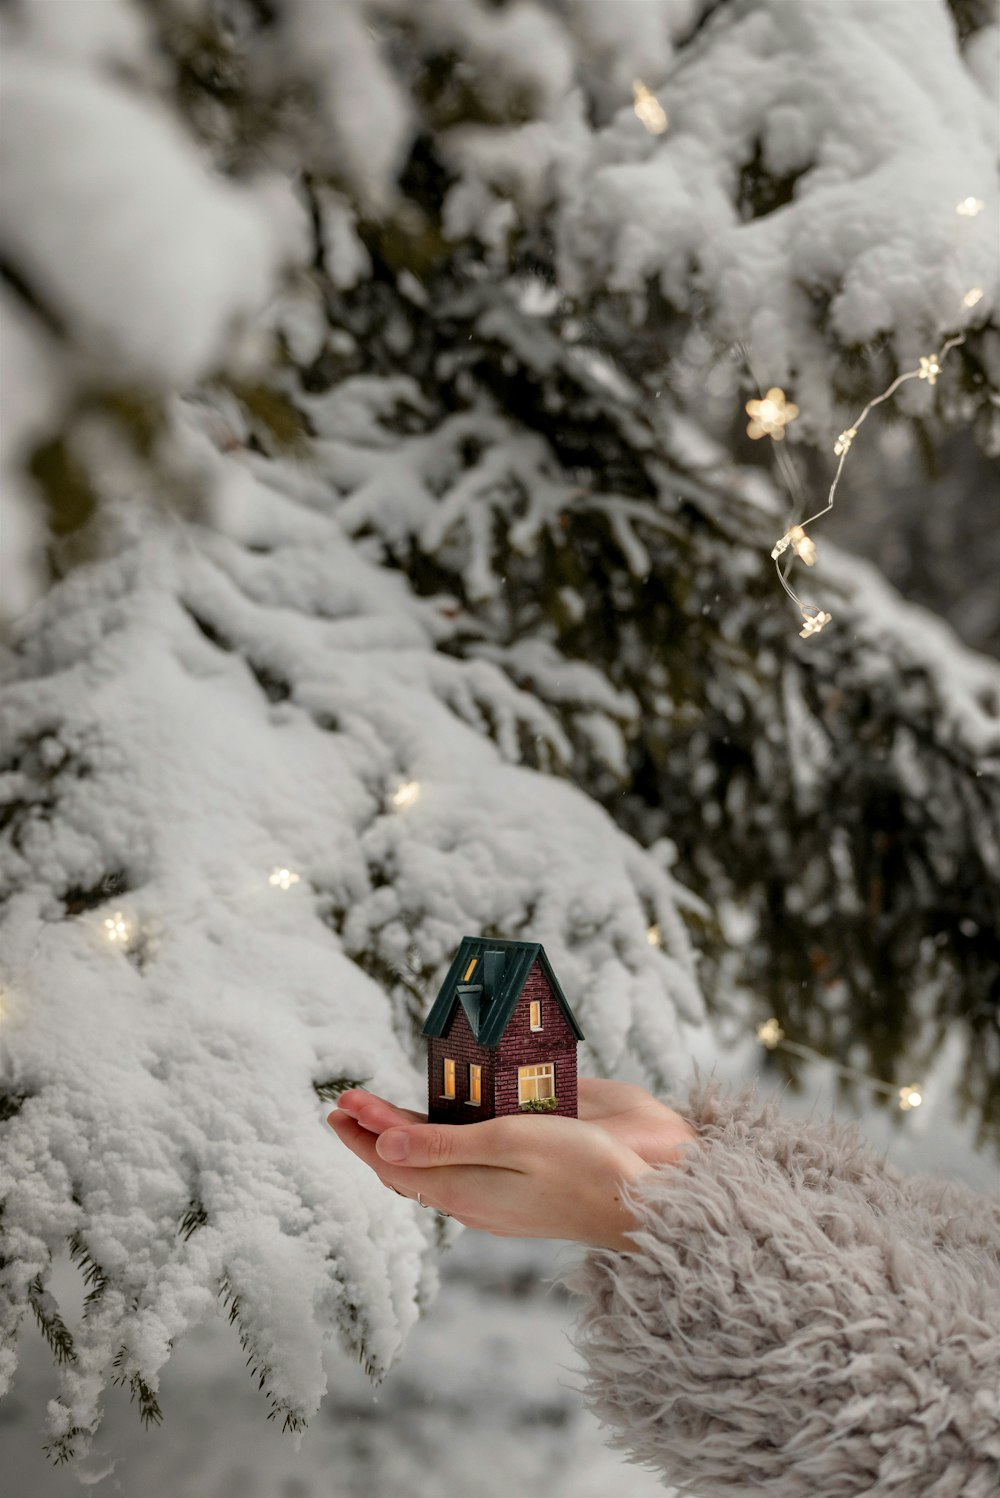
(501, 1037)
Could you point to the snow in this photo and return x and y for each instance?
(150, 261)
(867, 105)
(204, 713)
(486, 1395)
(238, 678)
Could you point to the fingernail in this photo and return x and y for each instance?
(393, 1145)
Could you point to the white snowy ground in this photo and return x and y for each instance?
(484, 1398)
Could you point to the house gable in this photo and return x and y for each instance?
(490, 1002)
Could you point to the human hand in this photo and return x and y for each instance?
(522, 1176)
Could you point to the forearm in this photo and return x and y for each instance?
(798, 1320)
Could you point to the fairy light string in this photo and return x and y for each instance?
(772, 1037)
(795, 542)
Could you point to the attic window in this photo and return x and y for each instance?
(449, 1077)
(535, 1012)
(470, 970)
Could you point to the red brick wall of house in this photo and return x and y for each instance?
(522, 1046)
(458, 1043)
(519, 1046)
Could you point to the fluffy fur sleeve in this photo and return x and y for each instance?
(799, 1319)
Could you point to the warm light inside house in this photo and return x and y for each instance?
(470, 970)
(536, 1081)
(449, 1077)
(536, 1014)
(475, 1084)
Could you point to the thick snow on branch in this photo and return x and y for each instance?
(803, 196)
(148, 262)
(215, 703)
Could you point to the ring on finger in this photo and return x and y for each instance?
(439, 1210)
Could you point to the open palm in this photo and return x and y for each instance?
(628, 1113)
(649, 1128)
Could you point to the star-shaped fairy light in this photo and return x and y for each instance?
(117, 929)
(929, 369)
(969, 207)
(843, 442)
(770, 1033)
(910, 1096)
(282, 878)
(813, 620)
(803, 546)
(770, 416)
(648, 109)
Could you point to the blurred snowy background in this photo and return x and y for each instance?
(384, 557)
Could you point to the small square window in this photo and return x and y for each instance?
(536, 1014)
(536, 1082)
(449, 1077)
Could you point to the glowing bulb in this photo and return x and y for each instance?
(770, 416)
(648, 109)
(117, 928)
(812, 622)
(972, 296)
(282, 878)
(929, 369)
(653, 935)
(770, 1033)
(969, 207)
(803, 546)
(843, 442)
(910, 1097)
(408, 794)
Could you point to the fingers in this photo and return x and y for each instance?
(448, 1191)
(502, 1143)
(373, 1112)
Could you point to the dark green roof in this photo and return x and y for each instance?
(488, 1019)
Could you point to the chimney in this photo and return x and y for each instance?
(493, 964)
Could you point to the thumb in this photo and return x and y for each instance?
(493, 1142)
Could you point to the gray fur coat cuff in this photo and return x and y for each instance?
(798, 1319)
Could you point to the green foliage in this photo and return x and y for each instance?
(278, 1409)
(539, 1105)
(50, 1323)
(330, 1090)
(149, 1407)
(93, 1274)
(194, 1218)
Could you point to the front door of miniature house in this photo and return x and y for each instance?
(501, 1037)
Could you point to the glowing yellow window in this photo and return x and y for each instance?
(470, 970)
(536, 1014)
(475, 1085)
(536, 1081)
(449, 1077)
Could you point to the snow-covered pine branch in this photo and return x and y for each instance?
(400, 532)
